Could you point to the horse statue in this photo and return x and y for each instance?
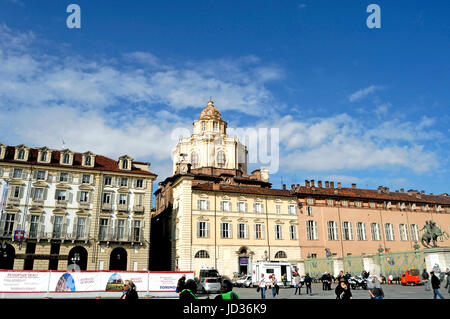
(431, 234)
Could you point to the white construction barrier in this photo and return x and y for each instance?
(55, 284)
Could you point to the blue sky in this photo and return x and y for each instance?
(353, 104)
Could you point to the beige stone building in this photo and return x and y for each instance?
(76, 210)
(211, 213)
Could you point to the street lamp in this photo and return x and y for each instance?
(76, 258)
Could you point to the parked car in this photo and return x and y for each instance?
(209, 281)
(245, 281)
(410, 277)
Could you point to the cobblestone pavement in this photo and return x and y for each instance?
(390, 292)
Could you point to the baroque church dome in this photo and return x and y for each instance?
(210, 112)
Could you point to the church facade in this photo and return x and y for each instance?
(212, 213)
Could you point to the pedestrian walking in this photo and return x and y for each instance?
(262, 286)
(227, 292)
(275, 287)
(284, 279)
(308, 283)
(341, 275)
(180, 284)
(129, 291)
(190, 288)
(425, 278)
(374, 288)
(447, 285)
(324, 281)
(435, 284)
(343, 290)
(297, 285)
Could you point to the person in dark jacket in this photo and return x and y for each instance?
(343, 290)
(190, 288)
(308, 282)
(129, 291)
(180, 284)
(227, 292)
(425, 278)
(435, 285)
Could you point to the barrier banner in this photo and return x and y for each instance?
(24, 281)
(166, 282)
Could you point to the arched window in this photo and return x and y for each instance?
(21, 154)
(202, 254)
(194, 159)
(221, 158)
(88, 160)
(66, 158)
(280, 254)
(203, 126)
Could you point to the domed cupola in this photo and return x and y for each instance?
(210, 112)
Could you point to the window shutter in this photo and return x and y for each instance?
(198, 229)
(52, 220)
(78, 196)
(90, 195)
(22, 188)
(207, 229)
(350, 230)
(315, 231)
(58, 176)
(114, 229)
(198, 204)
(263, 231)
(254, 207)
(70, 178)
(32, 192)
(245, 230)
(246, 207)
(262, 208)
(88, 227)
(70, 199)
(255, 232)
(24, 174)
(144, 183)
(74, 227)
(221, 206)
(11, 172)
(92, 179)
(230, 231)
(207, 205)
(35, 173)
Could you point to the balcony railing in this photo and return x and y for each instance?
(37, 202)
(107, 206)
(122, 207)
(121, 235)
(61, 204)
(13, 201)
(138, 209)
(84, 205)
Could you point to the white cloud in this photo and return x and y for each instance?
(360, 94)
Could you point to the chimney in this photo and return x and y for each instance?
(312, 183)
(327, 184)
(284, 187)
(402, 190)
(339, 185)
(353, 185)
(307, 183)
(386, 189)
(293, 187)
(422, 192)
(332, 184)
(320, 184)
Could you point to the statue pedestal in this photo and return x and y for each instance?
(438, 257)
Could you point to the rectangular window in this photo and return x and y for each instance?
(84, 197)
(16, 192)
(225, 230)
(358, 204)
(120, 229)
(278, 232)
(57, 226)
(332, 230)
(311, 230)
(347, 231)
(139, 183)
(257, 207)
(9, 224)
(372, 205)
(17, 173)
(86, 179)
(63, 177)
(106, 198)
(278, 209)
(403, 230)
(242, 231)
(202, 229)
(122, 199)
(40, 175)
(38, 193)
(242, 207)
(81, 227)
(329, 202)
(259, 231)
(389, 230)
(103, 231)
(375, 229)
(124, 182)
(225, 206)
(361, 230)
(107, 180)
(345, 203)
(137, 230)
(310, 201)
(293, 232)
(34, 224)
(309, 211)
(292, 210)
(414, 232)
(203, 204)
(61, 194)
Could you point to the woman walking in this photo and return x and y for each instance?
(343, 290)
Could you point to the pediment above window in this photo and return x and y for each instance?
(40, 184)
(63, 186)
(85, 188)
(82, 213)
(59, 212)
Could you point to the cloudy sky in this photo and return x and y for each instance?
(352, 104)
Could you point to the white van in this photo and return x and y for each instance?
(272, 268)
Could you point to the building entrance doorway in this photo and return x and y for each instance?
(118, 259)
(7, 256)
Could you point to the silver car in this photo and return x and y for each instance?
(209, 285)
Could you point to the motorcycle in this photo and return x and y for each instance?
(357, 282)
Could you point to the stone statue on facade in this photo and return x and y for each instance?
(431, 234)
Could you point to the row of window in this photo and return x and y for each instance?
(80, 228)
(242, 207)
(205, 254)
(66, 177)
(226, 230)
(361, 233)
(220, 159)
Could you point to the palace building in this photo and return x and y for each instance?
(212, 213)
(62, 209)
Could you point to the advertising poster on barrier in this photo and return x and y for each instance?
(166, 281)
(18, 281)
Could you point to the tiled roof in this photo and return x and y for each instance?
(102, 163)
(244, 190)
(373, 194)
